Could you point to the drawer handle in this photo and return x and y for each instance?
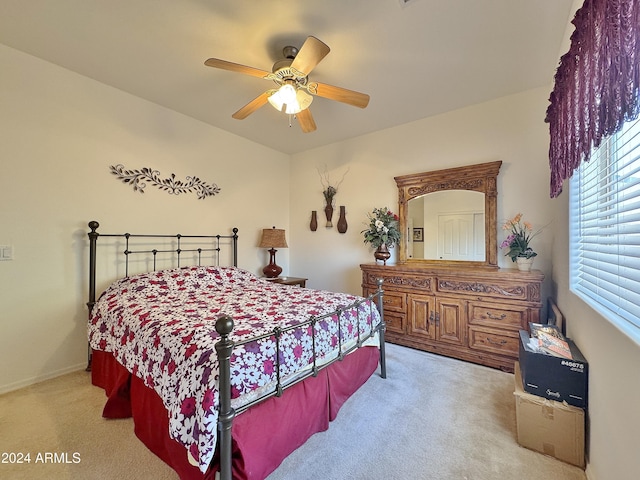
(496, 317)
(500, 343)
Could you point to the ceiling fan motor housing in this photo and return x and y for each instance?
(282, 68)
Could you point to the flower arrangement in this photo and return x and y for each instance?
(520, 235)
(329, 190)
(329, 193)
(383, 228)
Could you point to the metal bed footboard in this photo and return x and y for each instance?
(225, 346)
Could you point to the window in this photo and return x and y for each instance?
(605, 229)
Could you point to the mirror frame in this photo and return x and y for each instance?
(481, 177)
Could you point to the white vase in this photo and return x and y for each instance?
(524, 263)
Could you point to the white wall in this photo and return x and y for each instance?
(60, 133)
(614, 381)
(510, 129)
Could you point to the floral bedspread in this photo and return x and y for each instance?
(161, 327)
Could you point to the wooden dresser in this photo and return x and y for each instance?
(470, 314)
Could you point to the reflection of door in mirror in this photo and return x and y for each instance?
(453, 223)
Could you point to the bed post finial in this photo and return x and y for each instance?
(93, 238)
(224, 326)
(235, 246)
(381, 328)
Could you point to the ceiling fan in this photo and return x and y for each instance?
(294, 92)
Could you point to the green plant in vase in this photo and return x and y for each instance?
(382, 233)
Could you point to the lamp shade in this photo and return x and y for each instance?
(273, 238)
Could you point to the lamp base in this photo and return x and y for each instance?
(272, 270)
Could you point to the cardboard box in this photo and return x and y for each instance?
(549, 427)
(552, 377)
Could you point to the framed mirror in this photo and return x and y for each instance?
(449, 217)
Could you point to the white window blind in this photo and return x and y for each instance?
(605, 229)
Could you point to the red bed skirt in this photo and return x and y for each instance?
(263, 436)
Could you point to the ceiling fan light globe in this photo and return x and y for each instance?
(289, 100)
(281, 105)
(283, 98)
(303, 99)
(287, 93)
(292, 109)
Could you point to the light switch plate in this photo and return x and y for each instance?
(6, 252)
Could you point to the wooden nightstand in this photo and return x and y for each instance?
(289, 281)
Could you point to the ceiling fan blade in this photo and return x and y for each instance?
(236, 67)
(252, 106)
(310, 54)
(305, 119)
(339, 94)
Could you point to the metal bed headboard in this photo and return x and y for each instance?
(210, 243)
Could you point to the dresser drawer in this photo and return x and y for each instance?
(498, 315)
(394, 301)
(483, 289)
(492, 341)
(395, 322)
(391, 300)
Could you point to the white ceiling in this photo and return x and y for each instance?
(415, 58)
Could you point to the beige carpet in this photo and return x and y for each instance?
(64, 415)
(432, 418)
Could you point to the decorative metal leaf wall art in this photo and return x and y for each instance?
(138, 178)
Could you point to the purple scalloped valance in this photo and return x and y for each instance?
(597, 84)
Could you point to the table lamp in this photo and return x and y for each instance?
(272, 238)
